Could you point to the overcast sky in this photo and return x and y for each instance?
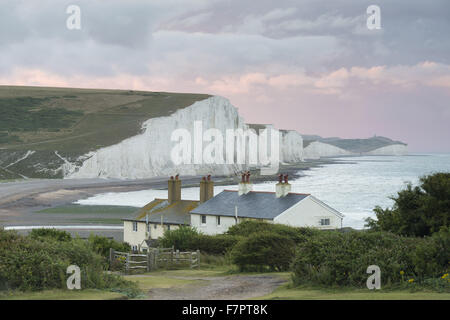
(308, 65)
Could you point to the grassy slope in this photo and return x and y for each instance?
(103, 118)
(109, 117)
(306, 293)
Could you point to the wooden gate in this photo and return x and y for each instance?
(155, 259)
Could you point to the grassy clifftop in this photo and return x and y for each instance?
(79, 120)
(72, 122)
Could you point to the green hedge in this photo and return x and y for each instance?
(263, 250)
(40, 262)
(249, 227)
(341, 259)
(187, 238)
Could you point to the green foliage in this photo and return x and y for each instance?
(40, 262)
(249, 227)
(263, 249)
(29, 114)
(188, 238)
(417, 211)
(102, 245)
(5, 137)
(59, 235)
(183, 238)
(341, 259)
(217, 244)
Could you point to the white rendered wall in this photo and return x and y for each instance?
(307, 213)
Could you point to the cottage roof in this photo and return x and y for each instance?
(175, 213)
(255, 204)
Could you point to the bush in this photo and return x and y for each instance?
(262, 250)
(249, 227)
(182, 238)
(341, 259)
(102, 245)
(59, 235)
(417, 211)
(218, 244)
(40, 262)
(187, 238)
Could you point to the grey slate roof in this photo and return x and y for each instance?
(175, 213)
(262, 205)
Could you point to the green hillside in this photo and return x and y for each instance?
(72, 122)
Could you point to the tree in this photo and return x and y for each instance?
(417, 211)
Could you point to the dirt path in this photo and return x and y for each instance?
(236, 287)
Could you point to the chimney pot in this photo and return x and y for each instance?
(286, 178)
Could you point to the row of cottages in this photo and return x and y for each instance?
(215, 214)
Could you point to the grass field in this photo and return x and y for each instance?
(88, 294)
(304, 293)
(170, 279)
(72, 122)
(85, 119)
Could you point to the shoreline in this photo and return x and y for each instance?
(21, 201)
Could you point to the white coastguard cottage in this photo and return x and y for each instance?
(229, 207)
(159, 215)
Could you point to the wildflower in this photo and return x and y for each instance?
(411, 280)
(402, 272)
(445, 276)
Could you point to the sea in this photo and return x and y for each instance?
(352, 185)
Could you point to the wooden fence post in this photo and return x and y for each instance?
(111, 257)
(198, 258)
(149, 260)
(127, 264)
(177, 257)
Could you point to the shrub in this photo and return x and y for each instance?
(262, 250)
(59, 235)
(187, 238)
(341, 259)
(417, 211)
(182, 238)
(40, 262)
(217, 244)
(102, 245)
(249, 227)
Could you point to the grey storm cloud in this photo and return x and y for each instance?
(307, 57)
(241, 33)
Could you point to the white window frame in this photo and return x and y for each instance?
(322, 220)
(218, 221)
(201, 219)
(135, 226)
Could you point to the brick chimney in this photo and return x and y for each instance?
(282, 187)
(245, 186)
(279, 186)
(209, 187)
(174, 189)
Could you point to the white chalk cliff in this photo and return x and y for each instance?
(317, 150)
(149, 153)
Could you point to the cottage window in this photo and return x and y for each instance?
(203, 219)
(168, 227)
(135, 226)
(218, 220)
(325, 222)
